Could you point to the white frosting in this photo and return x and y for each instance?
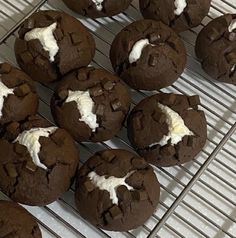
(4, 92)
(137, 49)
(232, 25)
(85, 105)
(110, 184)
(176, 127)
(46, 38)
(30, 139)
(98, 4)
(180, 6)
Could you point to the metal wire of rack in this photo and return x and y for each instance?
(198, 199)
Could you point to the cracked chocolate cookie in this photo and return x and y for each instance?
(52, 43)
(18, 98)
(167, 129)
(180, 15)
(98, 8)
(16, 222)
(116, 190)
(216, 48)
(148, 55)
(91, 104)
(37, 161)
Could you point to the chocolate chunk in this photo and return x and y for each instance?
(108, 218)
(26, 57)
(194, 101)
(140, 195)
(139, 163)
(124, 194)
(29, 23)
(154, 38)
(11, 170)
(22, 90)
(138, 121)
(191, 141)
(108, 85)
(115, 212)
(20, 149)
(40, 61)
(75, 38)
(171, 98)
(99, 111)
(108, 155)
(213, 34)
(5, 68)
(82, 76)
(159, 117)
(63, 94)
(58, 34)
(116, 105)
(167, 151)
(153, 60)
(31, 166)
(89, 186)
(96, 91)
(13, 128)
(231, 57)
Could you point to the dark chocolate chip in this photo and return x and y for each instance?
(154, 38)
(29, 23)
(75, 38)
(26, 57)
(140, 195)
(11, 170)
(63, 94)
(89, 186)
(191, 141)
(22, 90)
(99, 111)
(115, 212)
(231, 57)
(167, 151)
(108, 85)
(139, 163)
(31, 166)
(153, 60)
(124, 194)
(108, 217)
(159, 117)
(58, 34)
(116, 105)
(194, 100)
(108, 155)
(5, 68)
(82, 76)
(40, 61)
(96, 91)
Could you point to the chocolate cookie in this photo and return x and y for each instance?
(16, 222)
(18, 98)
(180, 15)
(167, 129)
(216, 48)
(116, 190)
(52, 43)
(37, 162)
(98, 8)
(91, 104)
(148, 55)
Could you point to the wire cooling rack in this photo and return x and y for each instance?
(198, 199)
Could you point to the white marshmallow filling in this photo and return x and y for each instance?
(30, 139)
(85, 105)
(110, 184)
(98, 4)
(4, 92)
(46, 38)
(180, 5)
(176, 127)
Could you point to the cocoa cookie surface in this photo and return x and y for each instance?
(180, 15)
(37, 161)
(91, 104)
(18, 98)
(216, 48)
(116, 190)
(148, 55)
(52, 43)
(167, 129)
(98, 8)
(16, 222)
